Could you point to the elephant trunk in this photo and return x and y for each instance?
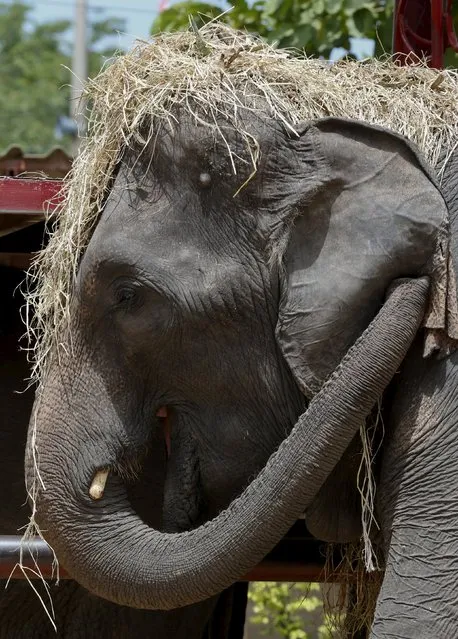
(118, 557)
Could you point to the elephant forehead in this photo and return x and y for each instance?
(185, 137)
(219, 162)
(169, 251)
(175, 231)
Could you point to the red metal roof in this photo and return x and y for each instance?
(23, 201)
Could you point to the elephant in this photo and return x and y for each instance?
(255, 334)
(77, 613)
(253, 289)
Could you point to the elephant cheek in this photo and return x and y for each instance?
(182, 507)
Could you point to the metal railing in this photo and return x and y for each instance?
(298, 557)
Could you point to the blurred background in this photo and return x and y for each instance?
(46, 45)
(41, 43)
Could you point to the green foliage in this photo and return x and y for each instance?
(316, 26)
(35, 76)
(30, 75)
(288, 610)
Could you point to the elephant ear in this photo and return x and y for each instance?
(372, 213)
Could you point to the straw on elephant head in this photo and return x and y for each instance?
(223, 72)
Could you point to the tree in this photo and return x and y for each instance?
(35, 76)
(317, 26)
(293, 611)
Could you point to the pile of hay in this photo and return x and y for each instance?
(216, 75)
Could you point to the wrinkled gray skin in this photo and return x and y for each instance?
(78, 613)
(180, 302)
(419, 481)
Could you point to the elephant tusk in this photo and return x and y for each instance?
(98, 484)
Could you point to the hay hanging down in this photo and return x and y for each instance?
(224, 72)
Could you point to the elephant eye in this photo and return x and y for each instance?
(128, 295)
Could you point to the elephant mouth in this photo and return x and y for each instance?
(139, 468)
(125, 468)
(165, 419)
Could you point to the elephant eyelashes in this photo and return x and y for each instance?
(128, 296)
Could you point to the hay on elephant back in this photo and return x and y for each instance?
(217, 75)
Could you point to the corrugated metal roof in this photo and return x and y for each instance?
(54, 164)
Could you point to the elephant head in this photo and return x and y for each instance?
(215, 303)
